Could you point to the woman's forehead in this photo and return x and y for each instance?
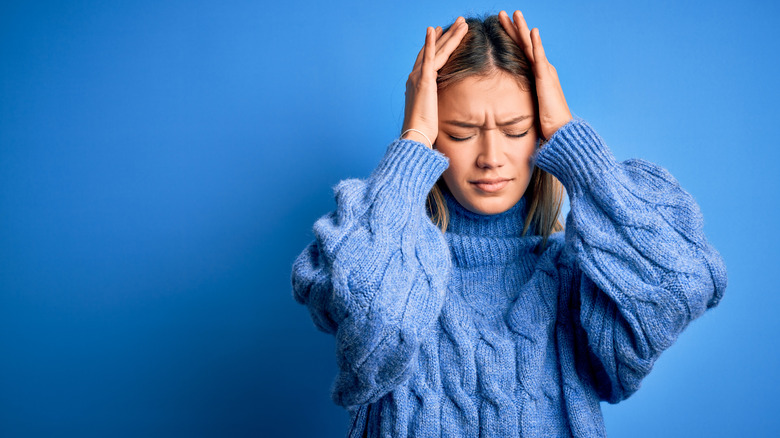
(474, 99)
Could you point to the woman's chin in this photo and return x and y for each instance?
(491, 205)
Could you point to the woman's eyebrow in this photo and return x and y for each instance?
(473, 125)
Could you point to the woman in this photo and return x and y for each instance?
(460, 305)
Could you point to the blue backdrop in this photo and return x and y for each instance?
(162, 164)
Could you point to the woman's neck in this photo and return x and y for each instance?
(465, 222)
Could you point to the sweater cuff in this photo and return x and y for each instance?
(409, 169)
(575, 155)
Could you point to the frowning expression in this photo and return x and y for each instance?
(487, 130)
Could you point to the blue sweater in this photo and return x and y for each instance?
(469, 332)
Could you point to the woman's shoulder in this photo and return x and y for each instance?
(554, 254)
(555, 244)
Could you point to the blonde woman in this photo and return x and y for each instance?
(459, 303)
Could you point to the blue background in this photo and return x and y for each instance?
(162, 164)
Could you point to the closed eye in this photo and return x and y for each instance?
(453, 138)
(518, 135)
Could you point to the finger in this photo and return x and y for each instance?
(444, 51)
(525, 35)
(539, 56)
(422, 50)
(428, 73)
(506, 23)
(450, 32)
(418, 60)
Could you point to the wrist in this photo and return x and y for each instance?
(418, 137)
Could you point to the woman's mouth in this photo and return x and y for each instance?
(491, 185)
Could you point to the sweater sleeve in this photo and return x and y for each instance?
(636, 263)
(375, 274)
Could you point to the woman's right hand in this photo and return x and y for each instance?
(422, 107)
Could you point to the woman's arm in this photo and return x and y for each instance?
(636, 262)
(376, 273)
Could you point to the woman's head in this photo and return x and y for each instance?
(488, 128)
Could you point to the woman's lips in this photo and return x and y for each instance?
(491, 186)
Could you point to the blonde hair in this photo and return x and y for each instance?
(485, 49)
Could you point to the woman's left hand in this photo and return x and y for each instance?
(553, 110)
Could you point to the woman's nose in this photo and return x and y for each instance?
(490, 154)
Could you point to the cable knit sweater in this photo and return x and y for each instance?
(469, 332)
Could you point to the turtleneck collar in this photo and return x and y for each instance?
(488, 240)
(465, 222)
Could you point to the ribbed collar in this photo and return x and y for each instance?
(463, 221)
(479, 239)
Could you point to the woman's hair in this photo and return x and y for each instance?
(485, 50)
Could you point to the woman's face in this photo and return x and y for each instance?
(487, 130)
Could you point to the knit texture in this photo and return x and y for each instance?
(469, 332)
